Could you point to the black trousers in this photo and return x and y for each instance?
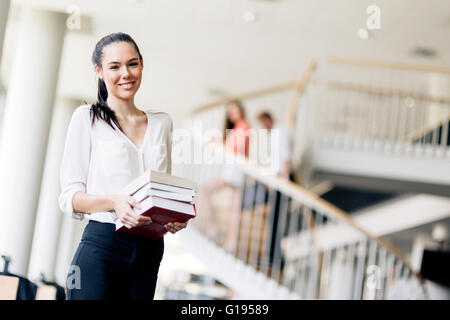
(112, 265)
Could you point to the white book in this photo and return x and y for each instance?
(168, 204)
(165, 178)
(162, 181)
(147, 190)
(166, 187)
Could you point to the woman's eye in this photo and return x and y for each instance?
(113, 67)
(133, 64)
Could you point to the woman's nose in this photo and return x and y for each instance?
(125, 72)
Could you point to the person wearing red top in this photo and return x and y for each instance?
(235, 129)
(236, 139)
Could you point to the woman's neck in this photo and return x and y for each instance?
(124, 109)
(239, 122)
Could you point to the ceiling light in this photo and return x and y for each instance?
(249, 16)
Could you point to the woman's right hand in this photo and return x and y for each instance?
(123, 206)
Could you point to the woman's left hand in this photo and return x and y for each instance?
(174, 227)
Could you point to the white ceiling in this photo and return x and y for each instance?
(191, 47)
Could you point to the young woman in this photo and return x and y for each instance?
(109, 144)
(236, 140)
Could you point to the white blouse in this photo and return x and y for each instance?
(99, 160)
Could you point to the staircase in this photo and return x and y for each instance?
(352, 126)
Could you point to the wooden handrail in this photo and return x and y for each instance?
(421, 132)
(382, 91)
(299, 86)
(390, 65)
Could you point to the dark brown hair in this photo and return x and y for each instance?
(228, 124)
(265, 115)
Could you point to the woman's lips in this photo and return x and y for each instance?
(127, 85)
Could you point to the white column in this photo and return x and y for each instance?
(49, 216)
(4, 10)
(29, 105)
(71, 232)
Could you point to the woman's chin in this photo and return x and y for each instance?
(125, 95)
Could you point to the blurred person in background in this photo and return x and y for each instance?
(109, 144)
(235, 140)
(281, 154)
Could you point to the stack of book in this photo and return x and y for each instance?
(164, 198)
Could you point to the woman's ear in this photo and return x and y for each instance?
(98, 71)
(142, 62)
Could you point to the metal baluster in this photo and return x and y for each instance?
(338, 121)
(315, 221)
(370, 293)
(331, 95)
(325, 273)
(291, 235)
(424, 124)
(257, 227)
(336, 282)
(348, 275)
(393, 119)
(360, 271)
(244, 225)
(409, 104)
(312, 279)
(245, 199)
(371, 106)
(398, 278)
(279, 234)
(382, 262)
(445, 133)
(300, 282)
(402, 122)
(269, 222)
(408, 290)
(390, 276)
(312, 265)
(293, 219)
(434, 138)
(351, 126)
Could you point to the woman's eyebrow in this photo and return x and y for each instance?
(115, 62)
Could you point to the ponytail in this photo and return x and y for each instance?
(101, 110)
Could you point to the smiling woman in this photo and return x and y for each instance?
(121, 76)
(109, 144)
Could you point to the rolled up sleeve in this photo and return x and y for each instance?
(75, 161)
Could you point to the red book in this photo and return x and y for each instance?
(162, 211)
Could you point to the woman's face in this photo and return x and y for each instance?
(234, 113)
(121, 70)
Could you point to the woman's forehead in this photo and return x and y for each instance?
(119, 52)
